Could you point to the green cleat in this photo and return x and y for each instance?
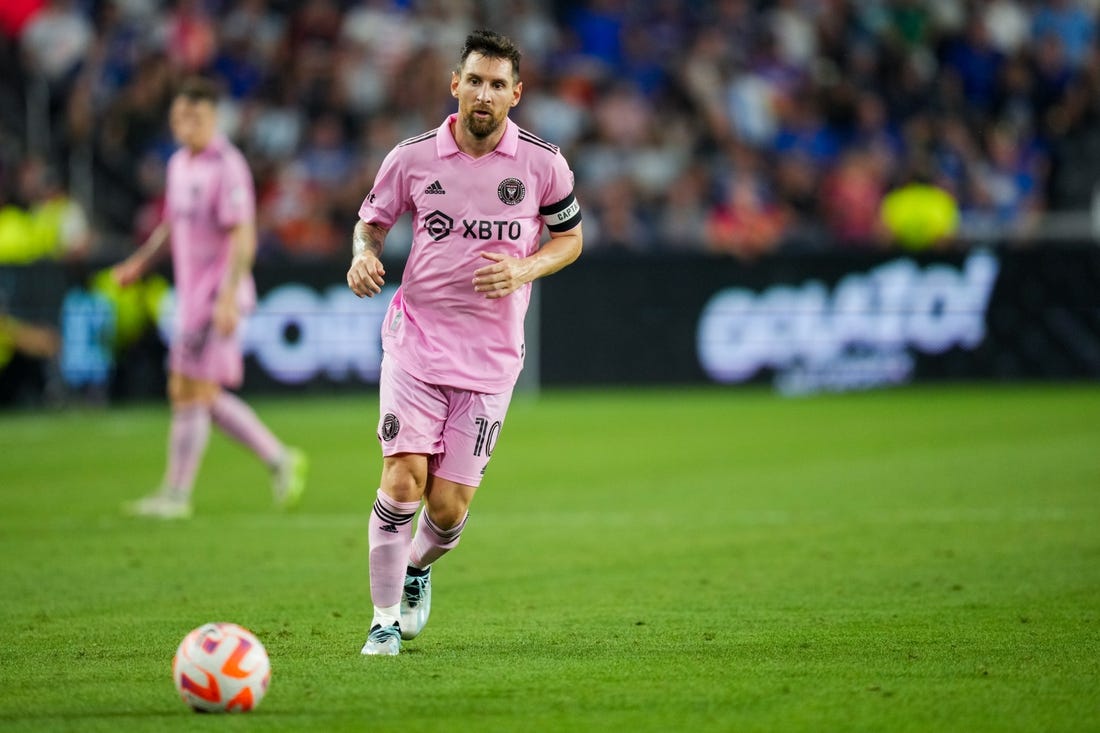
(289, 481)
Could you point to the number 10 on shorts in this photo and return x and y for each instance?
(486, 436)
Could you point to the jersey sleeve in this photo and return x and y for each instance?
(559, 208)
(388, 199)
(237, 200)
(171, 183)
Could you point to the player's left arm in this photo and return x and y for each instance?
(242, 253)
(561, 213)
(507, 274)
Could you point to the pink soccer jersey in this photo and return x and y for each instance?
(207, 193)
(437, 327)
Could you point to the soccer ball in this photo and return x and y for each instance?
(221, 667)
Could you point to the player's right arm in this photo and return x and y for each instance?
(387, 200)
(137, 264)
(366, 276)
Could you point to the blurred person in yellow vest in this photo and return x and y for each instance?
(16, 246)
(45, 222)
(59, 225)
(919, 215)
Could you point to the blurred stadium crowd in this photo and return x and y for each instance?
(727, 126)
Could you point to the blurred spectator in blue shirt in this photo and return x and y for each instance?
(1071, 23)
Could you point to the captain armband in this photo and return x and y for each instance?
(562, 216)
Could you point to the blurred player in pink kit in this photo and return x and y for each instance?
(480, 190)
(209, 225)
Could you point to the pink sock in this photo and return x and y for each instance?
(431, 543)
(187, 439)
(238, 421)
(390, 535)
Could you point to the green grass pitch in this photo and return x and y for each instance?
(924, 559)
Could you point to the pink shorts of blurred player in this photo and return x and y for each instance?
(206, 356)
(457, 429)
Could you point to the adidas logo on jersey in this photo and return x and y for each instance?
(392, 529)
(434, 187)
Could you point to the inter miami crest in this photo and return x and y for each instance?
(390, 426)
(511, 191)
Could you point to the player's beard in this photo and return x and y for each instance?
(482, 128)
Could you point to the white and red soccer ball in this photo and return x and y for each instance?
(221, 667)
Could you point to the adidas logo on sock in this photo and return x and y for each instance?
(434, 187)
(392, 529)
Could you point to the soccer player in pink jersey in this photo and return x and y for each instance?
(210, 228)
(480, 190)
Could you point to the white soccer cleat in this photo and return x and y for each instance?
(289, 480)
(161, 505)
(416, 601)
(383, 641)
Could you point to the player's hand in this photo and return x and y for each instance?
(227, 316)
(126, 272)
(366, 275)
(502, 278)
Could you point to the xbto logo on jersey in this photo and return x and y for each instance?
(511, 191)
(438, 225)
(478, 229)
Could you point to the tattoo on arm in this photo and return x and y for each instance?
(367, 238)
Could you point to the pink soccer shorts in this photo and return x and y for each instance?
(205, 356)
(457, 429)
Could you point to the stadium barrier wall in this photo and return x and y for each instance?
(830, 321)
(805, 323)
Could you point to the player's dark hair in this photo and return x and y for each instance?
(199, 89)
(491, 45)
